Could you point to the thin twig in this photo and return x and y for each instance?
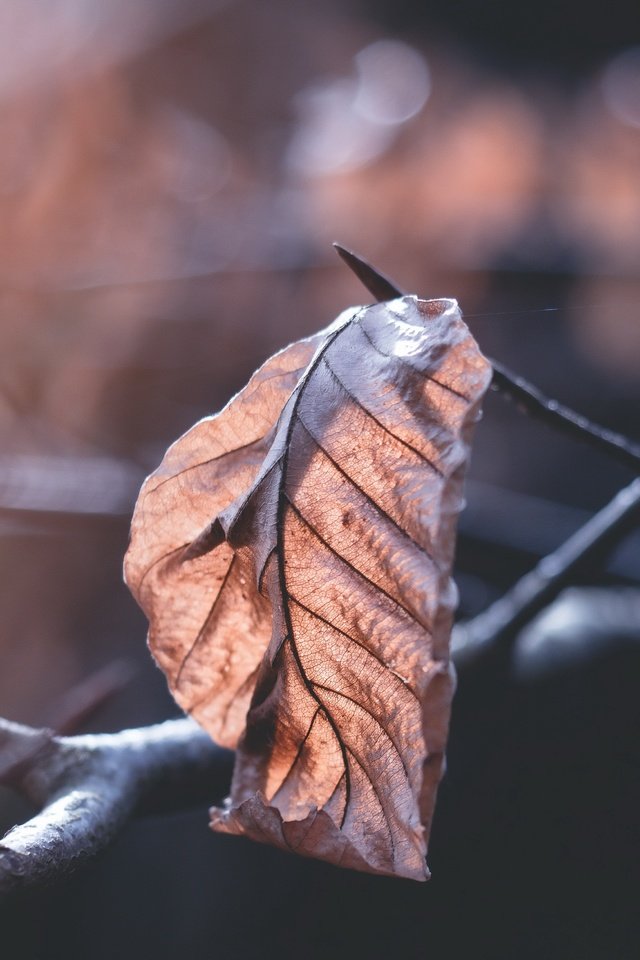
(537, 405)
(510, 385)
(493, 630)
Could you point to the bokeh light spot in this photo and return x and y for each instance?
(621, 86)
(393, 82)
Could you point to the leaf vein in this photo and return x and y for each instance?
(207, 620)
(366, 710)
(284, 591)
(163, 556)
(265, 565)
(298, 754)
(356, 486)
(351, 567)
(359, 403)
(378, 797)
(332, 626)
(203, 463)
(405, 363)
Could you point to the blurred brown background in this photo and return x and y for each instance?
(172, 175)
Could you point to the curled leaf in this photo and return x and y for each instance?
(293, 554)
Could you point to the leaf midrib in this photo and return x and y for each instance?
(280, 552)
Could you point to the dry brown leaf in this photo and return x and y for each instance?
(293, 555)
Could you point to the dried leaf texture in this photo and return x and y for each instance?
(319, 522)
(208, 627)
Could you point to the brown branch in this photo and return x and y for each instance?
(89, 786)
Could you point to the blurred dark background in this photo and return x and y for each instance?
(171, 177)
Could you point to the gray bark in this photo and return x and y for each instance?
(88, 787)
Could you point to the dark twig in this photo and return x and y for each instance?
(527, 396)
(494, 629)
(536, 404)
(89, 786)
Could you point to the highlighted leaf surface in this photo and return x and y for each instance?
(293, 555)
